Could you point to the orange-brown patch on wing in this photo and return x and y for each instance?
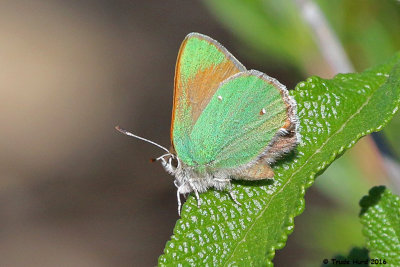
(262, 170)
(288, 124)
(259, 171)
(282, 145)
(199, 89)
(204, 85)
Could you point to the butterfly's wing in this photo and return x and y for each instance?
(245, 119)
(283, 143)
(258, 171)
(201, 66)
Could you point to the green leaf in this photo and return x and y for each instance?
(380, 216)
(334, 114)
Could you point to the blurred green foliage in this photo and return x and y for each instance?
(368, 29)
(270, 29)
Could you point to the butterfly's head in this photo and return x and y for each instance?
(170, 162)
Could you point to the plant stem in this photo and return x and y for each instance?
(327, 41)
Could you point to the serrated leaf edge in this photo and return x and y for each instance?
(325, 164)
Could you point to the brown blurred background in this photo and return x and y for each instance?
(73, 191)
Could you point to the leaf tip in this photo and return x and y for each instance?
(372, 198)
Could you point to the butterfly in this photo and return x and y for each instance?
(227, 122)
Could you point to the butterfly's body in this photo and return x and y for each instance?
(227, 122)
(189, 179)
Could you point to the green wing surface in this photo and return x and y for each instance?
(241, 119)
(201, 66)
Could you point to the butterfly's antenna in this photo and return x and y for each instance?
(141, 138)
(162, 156)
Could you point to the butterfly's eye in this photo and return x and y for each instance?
(173, 161)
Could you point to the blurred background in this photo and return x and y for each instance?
(75, 192)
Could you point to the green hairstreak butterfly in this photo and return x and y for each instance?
(227, 122)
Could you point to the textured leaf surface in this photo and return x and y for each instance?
(380, 216)
(334, 114)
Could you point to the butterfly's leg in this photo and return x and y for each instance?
(197, 197)
(196, 193)
(222, 180)
(234, 197)
(232, 194)
(178, 196)
(229, 186)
